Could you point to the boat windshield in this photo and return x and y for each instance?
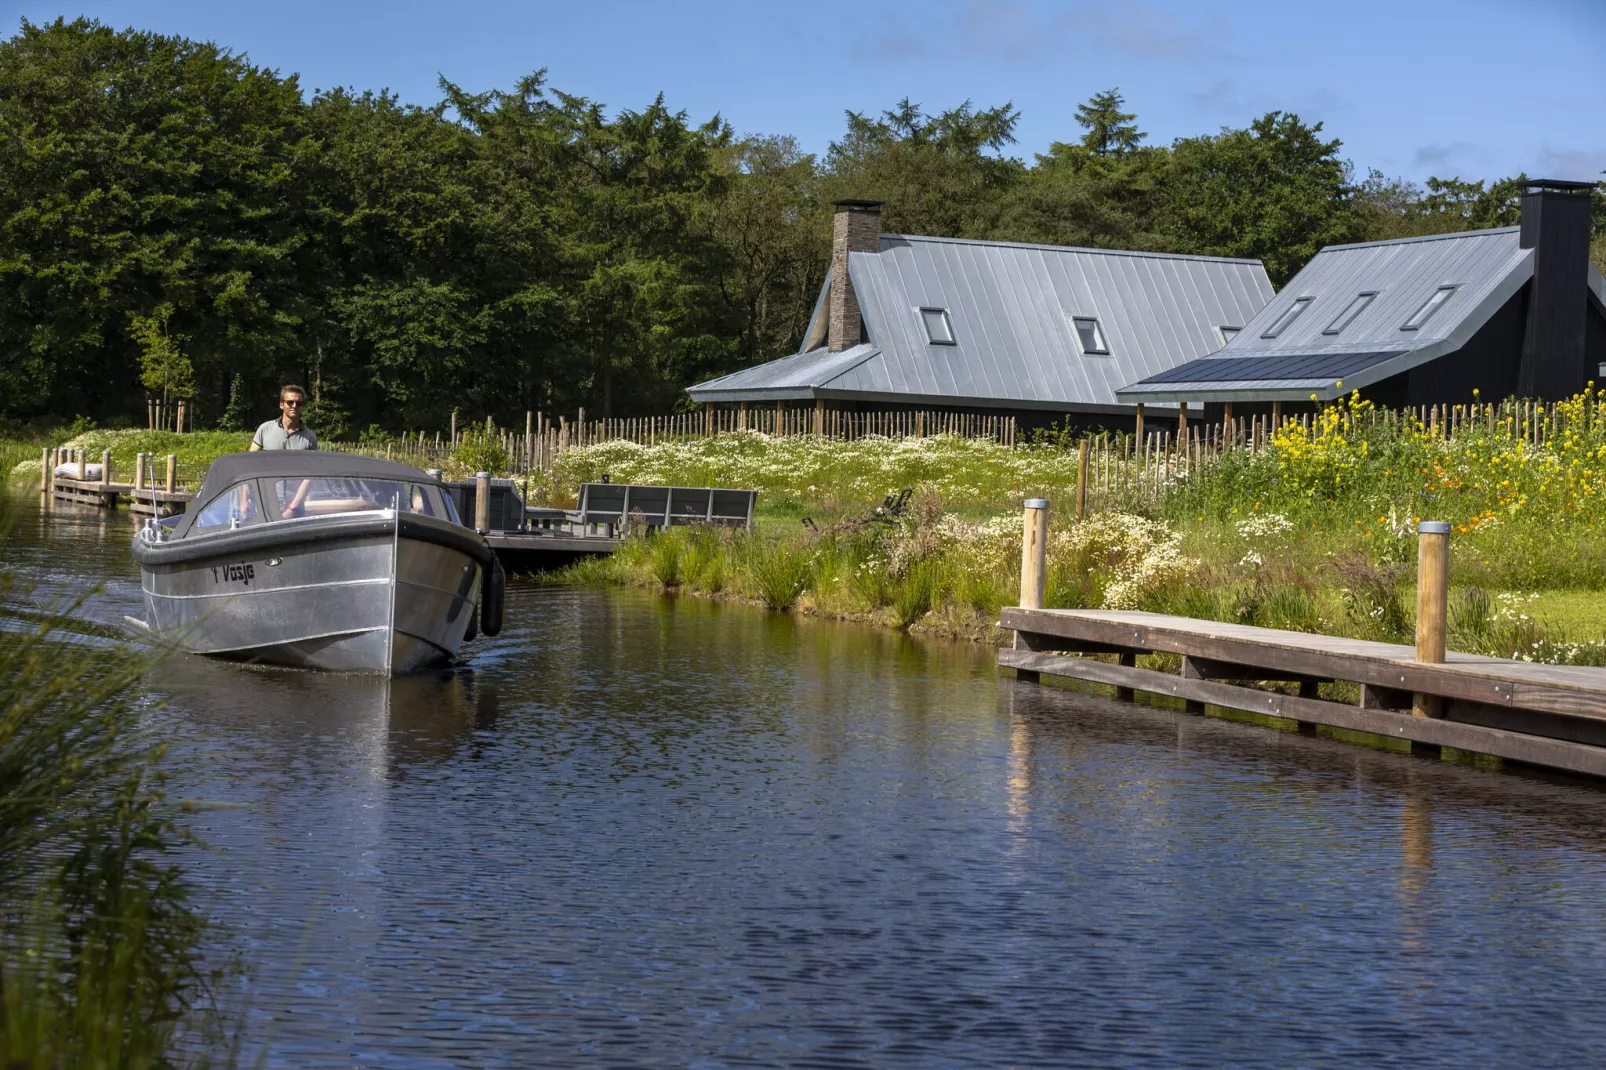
(323, 496)
(237, 505)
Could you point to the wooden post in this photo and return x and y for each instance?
(529, 440)
(139, 471)
(1432, 596)
(1276, 416)
(178, 425)
(172, 472)
(150, 414)
(819, 417)
(453, 438)
(105, 467)
(708, 418)
(83, 464)
(46, 470)
(741, 416)
(1182, 424)
(1081, 479)
(1137, 435)
(1034, 553)
(482, 502)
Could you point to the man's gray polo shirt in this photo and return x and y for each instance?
(273, 436)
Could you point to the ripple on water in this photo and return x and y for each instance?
(635, 831)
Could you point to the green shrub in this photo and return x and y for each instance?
(666, 558)
(914, 592)
(780, 572)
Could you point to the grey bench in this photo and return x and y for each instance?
(615, 504)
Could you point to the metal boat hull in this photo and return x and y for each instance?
(346, 601)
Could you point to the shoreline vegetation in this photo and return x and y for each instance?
(104, 955)
(1314, 531)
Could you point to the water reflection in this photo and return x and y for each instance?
(634, 830)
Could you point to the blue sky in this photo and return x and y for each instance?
(1413, 87)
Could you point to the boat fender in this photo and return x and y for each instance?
(492, 597)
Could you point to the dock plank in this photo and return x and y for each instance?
(1561, 689)
(1518, 746)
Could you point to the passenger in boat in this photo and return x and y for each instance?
(287, 432)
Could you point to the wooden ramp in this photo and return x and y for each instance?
(1551, 715)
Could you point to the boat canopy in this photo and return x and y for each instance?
(271, 464)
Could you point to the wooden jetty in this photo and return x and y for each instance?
(1551, 715)
(1548, 715)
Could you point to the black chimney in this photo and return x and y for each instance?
(1555, 225)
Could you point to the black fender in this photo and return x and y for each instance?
(493, 595)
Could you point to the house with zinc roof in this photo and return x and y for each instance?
(1421, 321)
(1035, 331)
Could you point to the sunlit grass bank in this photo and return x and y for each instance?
(1314, 532)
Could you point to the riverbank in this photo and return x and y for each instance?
(1312, 530)
(1315, 532)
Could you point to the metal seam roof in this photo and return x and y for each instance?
(1488, 267)
(1010, 305)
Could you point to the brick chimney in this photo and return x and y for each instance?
(856, 229)
(1555, 225)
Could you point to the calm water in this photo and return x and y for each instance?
(636, 831)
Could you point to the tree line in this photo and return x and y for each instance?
(178, 221)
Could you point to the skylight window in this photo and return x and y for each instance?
(1429, 307)
(1290, 314)
(1351, 310)
(939, 328)
(1089, 335)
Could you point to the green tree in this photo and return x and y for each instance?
(1109, 130)
(775, 238)
(141, 171)
(1101, 191)
(1276, 191)
(163, 366)
(940, 174)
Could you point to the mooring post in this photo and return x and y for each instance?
(482, 502)
(83, 465)
(1432, 601)
(1034, 553)
(44, 471)
(105, 467)
(172, 473)
(1033, 565)
(1081, 479)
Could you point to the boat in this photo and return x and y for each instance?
(318, 560)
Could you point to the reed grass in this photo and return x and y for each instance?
(102, 953)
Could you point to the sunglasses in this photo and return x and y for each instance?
(292, 401)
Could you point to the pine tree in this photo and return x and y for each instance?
(1109, 129)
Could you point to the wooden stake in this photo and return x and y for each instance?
(1034, 553)
(1432, 597)
(482, 502)
(172, 473)
(105, 467)
(1081, 479)
(1137, 434)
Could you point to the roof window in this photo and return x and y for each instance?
(1227, 333)
(1290, 314)
(1089, 335)
(939, 328)
(1429, 307)
(1351, 310)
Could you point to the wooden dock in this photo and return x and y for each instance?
(1548, 715)
(109, 495)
